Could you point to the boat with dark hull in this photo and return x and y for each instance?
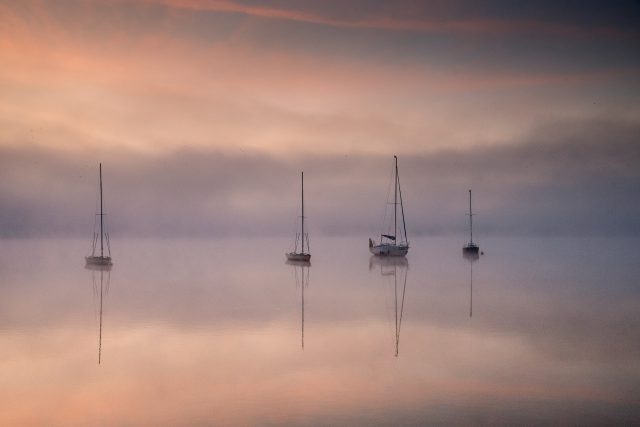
(301, 256)
(470, 248)
(101, 260)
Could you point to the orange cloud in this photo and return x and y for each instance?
(114, 87)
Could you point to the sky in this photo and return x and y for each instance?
(203, 114)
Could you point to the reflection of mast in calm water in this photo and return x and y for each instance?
(471, 258)
(389, 267)
(104, 289)
(303, 279)
(399, 320)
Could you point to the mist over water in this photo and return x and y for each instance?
(569, 178)
(547, 333)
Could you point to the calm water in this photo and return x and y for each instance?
(218, 332)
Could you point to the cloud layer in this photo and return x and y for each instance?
(203, 113)
(564, 178)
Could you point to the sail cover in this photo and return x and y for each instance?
(389, 237)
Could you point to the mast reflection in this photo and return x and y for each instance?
(390, 266)
(302, 280)
(471, 257)
(99, 291)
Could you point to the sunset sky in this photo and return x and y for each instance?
(204, 112)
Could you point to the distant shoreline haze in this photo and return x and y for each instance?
(544, 185)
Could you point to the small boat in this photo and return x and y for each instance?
(100, 260)
(470, 248)
(302, 237)
(393, 243)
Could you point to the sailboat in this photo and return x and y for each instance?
(101, 259)
(393, 244)
(470, 248)
(302, 255)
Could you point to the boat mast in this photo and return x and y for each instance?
(302, 235)
(101, 217)
(470, 218)
(395, 203)
(404, 224)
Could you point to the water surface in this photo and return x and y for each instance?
(215, 332)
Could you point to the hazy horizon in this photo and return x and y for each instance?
(540, 186)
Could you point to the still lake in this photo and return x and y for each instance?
(200, 332)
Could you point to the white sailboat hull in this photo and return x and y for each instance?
(389, 250)
(393, 244)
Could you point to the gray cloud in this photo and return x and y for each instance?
(569, 177)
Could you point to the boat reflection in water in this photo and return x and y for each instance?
(301, 271)
(392, 267)
(99, 291)
(471, 257)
